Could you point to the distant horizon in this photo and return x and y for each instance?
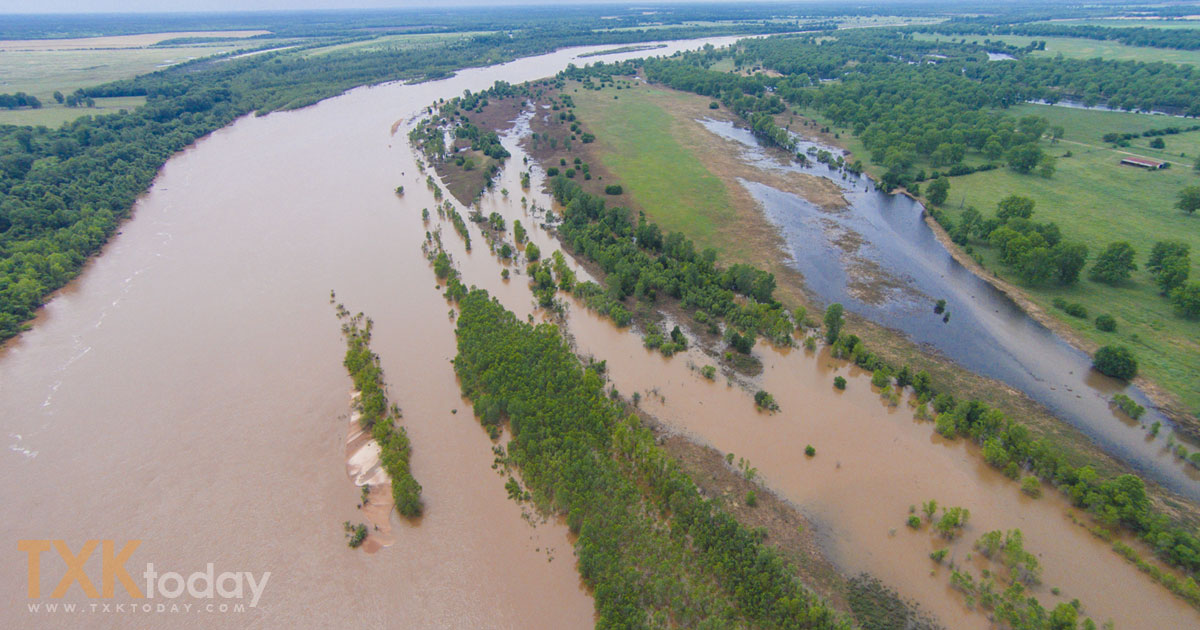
(201, 7)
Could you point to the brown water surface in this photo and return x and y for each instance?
(187, 390)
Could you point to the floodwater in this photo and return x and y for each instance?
(188, 391)
(879, 259)
(873, 460)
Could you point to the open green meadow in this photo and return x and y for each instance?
(639, 147)
(1097, 201)
(42, 72)
(1079, 48)
(53, 115)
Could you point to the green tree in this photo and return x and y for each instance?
(1114, 264)
(833, 322)
(937, 191)
(1171, 274)
(1014, 207)
(1068, 259)
(1189, 199)
(1187, 300)
(1115, 361)
(1024, 158)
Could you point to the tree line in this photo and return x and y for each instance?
(654, 552)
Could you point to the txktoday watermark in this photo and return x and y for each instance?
(208, 590)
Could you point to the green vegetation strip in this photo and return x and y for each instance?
(378, 416)
(654, 552)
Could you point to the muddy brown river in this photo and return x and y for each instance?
(187, 391)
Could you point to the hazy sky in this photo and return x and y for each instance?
(145, 6)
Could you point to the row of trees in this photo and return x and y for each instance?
(378, 416)
(19, 99)
(1178, 38)
(638, 261)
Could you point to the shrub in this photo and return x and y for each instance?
(1129, 406)
(1076, 309)
(839, 382)
(1031, 486)
(765, 400)
(809, 450)
(552, 171)
(1115, 361)
(1106, 323)
(532, 253)
(914, 521)
(613, 189)
(751, 498)
(709, 372)
(714, 105)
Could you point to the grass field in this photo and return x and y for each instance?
(1079, 48)
(1090, 126)
(53, 115)
(641, 145)
(40, 73)
(1095, 200)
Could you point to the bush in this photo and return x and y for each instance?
(914, 521)
(765, 400)
(552, 171)
(751, 498)
(714, 105)
(1106, 323)
(1115, 361)
(1031, 486)
(709, 372)
(839, 382)
(1076, 309)
(809, 450)
(532, 253)
(613, 189)
(1129, 406)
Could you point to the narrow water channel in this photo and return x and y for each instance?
(878, 258)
